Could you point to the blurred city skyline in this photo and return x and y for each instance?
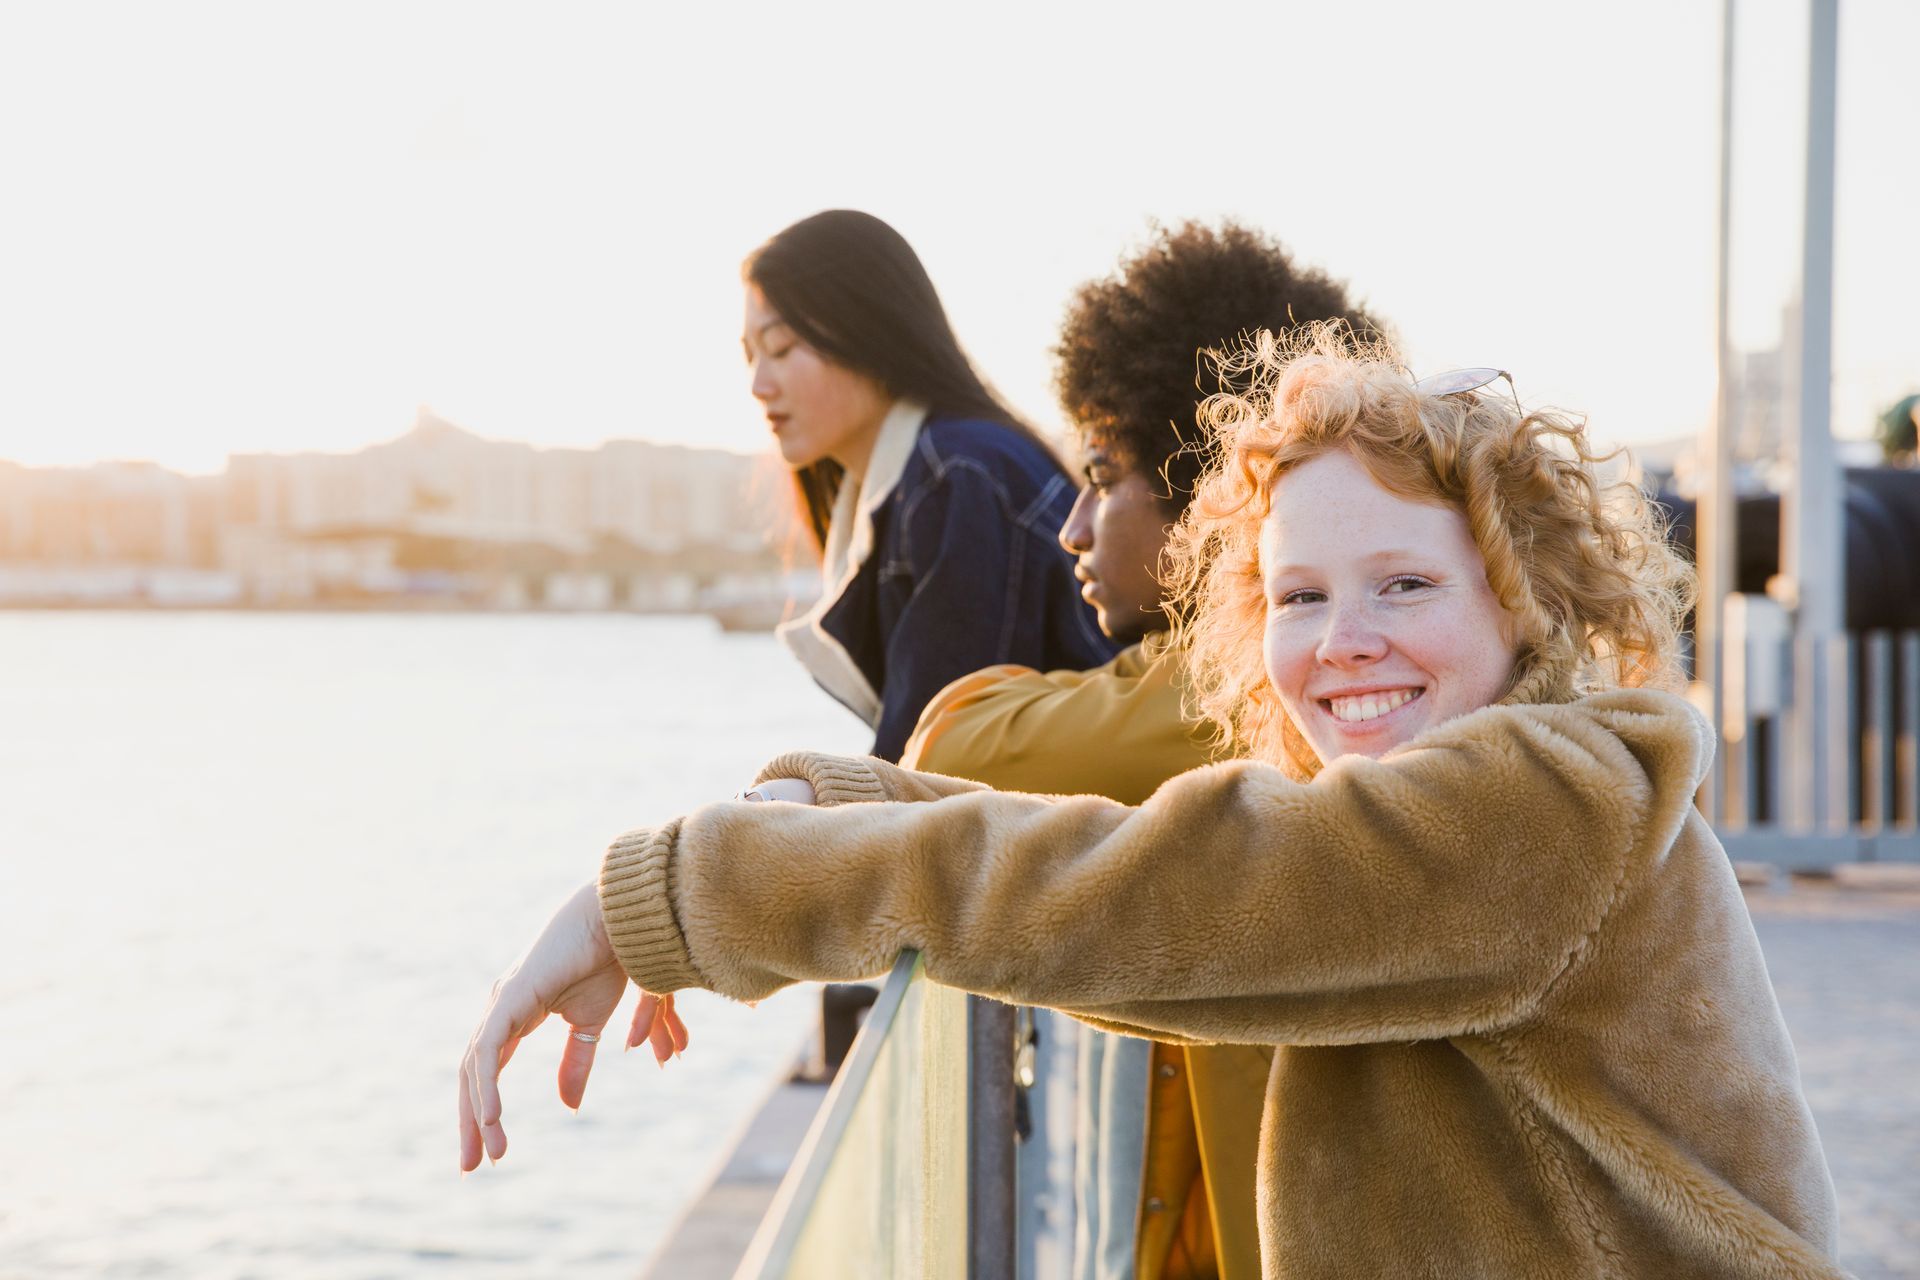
(279, 231)
(437, 518)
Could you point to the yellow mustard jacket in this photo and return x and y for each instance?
(1119, 731)
(1521, 1021)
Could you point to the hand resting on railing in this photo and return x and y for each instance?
(570, 970)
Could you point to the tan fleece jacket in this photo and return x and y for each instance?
(1120, 731)
(1527, 1028)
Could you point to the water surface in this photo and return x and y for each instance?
(257, 873)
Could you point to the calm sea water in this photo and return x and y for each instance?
(257, 873)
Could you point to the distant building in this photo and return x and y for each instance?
(126, 512)
(439, 479)
(436, 516)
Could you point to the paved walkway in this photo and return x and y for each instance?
(1846, 965)
(713, 1233)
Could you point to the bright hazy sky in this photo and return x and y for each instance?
(277, 227)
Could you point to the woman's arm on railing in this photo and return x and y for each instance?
(1420, 896)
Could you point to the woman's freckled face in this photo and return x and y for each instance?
(1380, 622)
(816, 409)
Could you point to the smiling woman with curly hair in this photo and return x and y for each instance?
(1521, 1025)
(1592, 592)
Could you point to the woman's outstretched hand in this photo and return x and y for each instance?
(569, 970)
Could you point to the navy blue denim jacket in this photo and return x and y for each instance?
(964, 571)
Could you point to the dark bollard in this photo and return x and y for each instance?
(843, 1006)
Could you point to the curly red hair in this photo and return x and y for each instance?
(1596, 595)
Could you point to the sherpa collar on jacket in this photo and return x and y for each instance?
(849, 544)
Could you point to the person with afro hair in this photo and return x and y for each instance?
(1164, 1138)
(1135, 353)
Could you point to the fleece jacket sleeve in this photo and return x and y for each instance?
(1439, 891)
(838, 780)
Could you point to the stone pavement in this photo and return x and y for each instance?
(1846, 965)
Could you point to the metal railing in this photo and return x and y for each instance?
(1820, 744)
(908, 1167)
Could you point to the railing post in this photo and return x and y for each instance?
(1837, 728)
(1906, 743)
(1781, 748)
(991, 1217)
(1803, 761)
(1731, 787)
(1744, 791)
(1876, 808)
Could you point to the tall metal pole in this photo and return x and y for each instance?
(1812, 555)
(1714, 526)
(992, 1219)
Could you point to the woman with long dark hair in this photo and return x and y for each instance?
(933, 509)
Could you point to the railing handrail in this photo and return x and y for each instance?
(773, 1244)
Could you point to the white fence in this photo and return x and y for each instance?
(1820, 745)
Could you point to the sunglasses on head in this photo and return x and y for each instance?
(1456, 381)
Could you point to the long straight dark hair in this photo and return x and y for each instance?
(853, 289)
